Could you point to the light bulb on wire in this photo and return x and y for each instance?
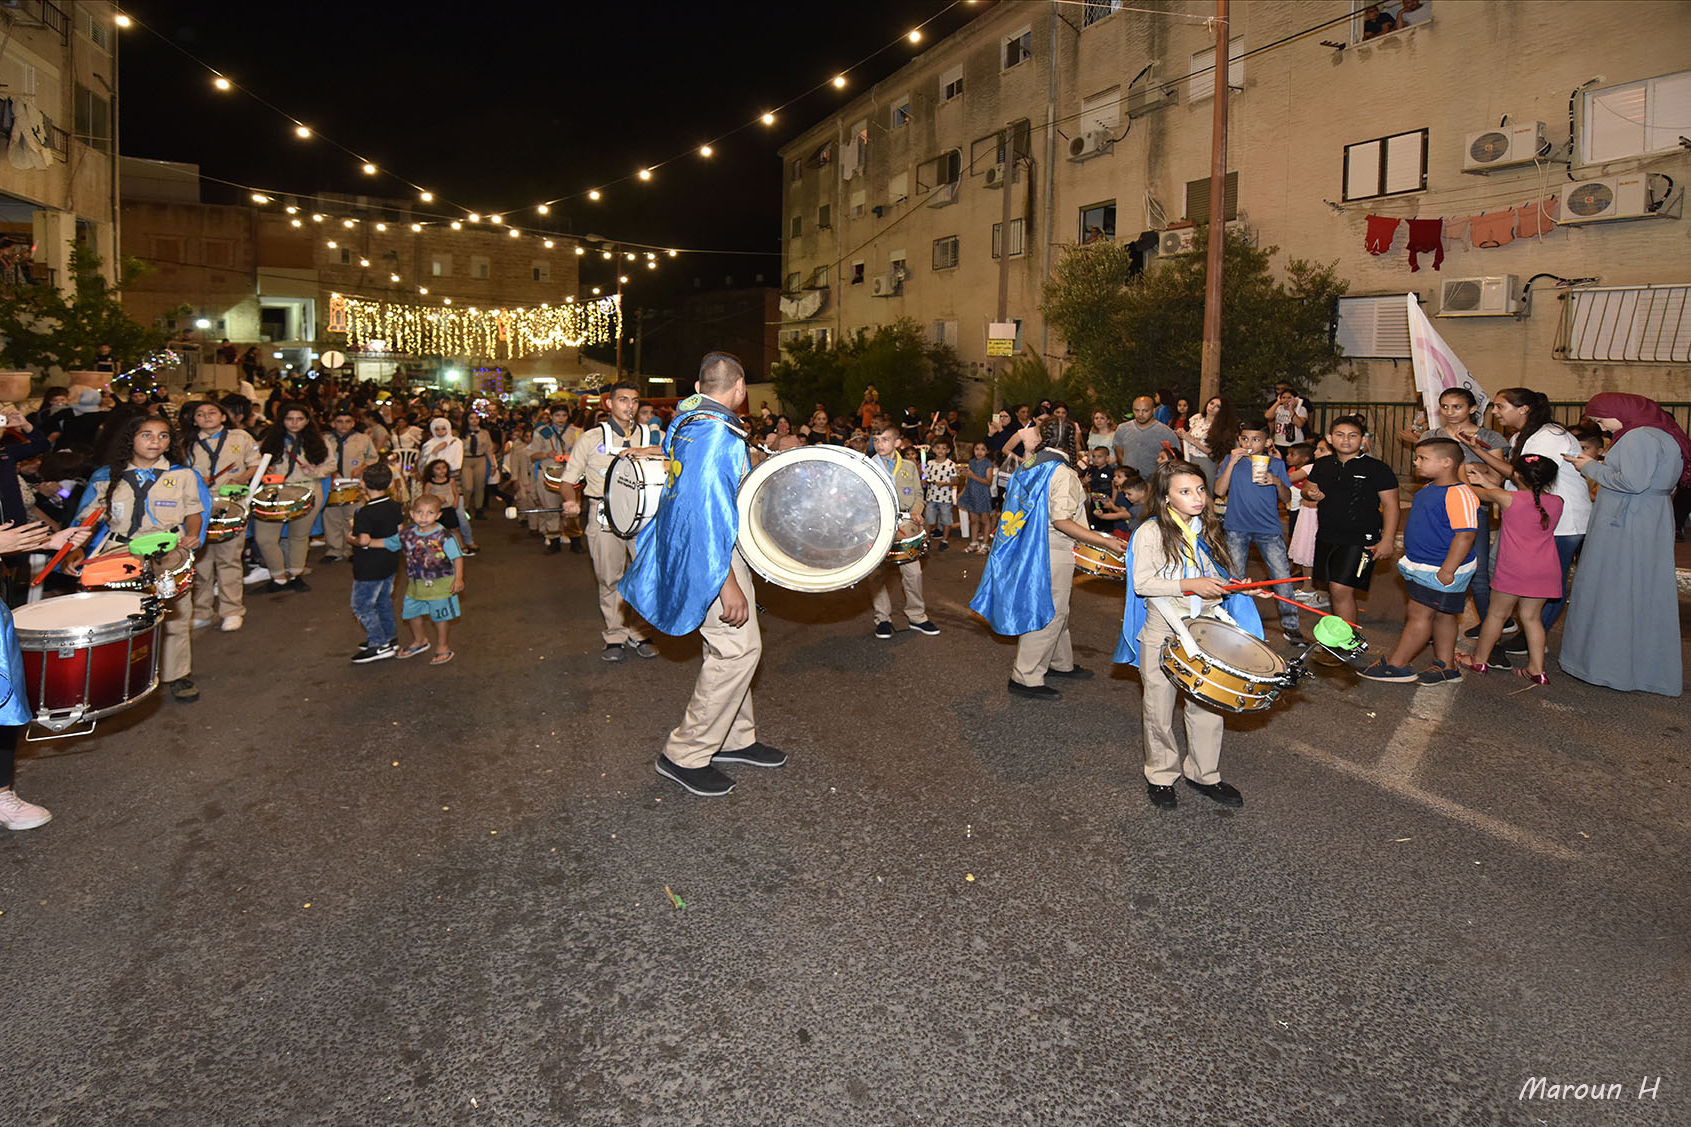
(544, 210)
(839, 82)
(426, 197)
(705, 150)
(594, 194)
(767, 119)
(221, 83)
(369, 169)
(915, 35)
(645, 174)
(302, 131)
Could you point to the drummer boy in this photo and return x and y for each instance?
(351, 451)
(907, 487)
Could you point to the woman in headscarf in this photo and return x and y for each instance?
(441, 446)
(1623, 614)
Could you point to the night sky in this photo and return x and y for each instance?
(501, 106)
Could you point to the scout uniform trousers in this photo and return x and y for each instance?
(915, 607)
(287, 557)
(217, 580)
(1049, 646)
(337, 526)
(610, 554)
(1203, 725)
(720, 714)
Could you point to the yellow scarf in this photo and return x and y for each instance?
(1191, 535)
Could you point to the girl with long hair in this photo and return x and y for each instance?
(1527, 571)
(299, 456)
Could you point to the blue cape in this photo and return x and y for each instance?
(104, 474)
(682, 556)
(1014, 595)
(1240, 606)
(14, 708)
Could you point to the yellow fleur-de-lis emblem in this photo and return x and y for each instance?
(1011, 523)
(672, 475)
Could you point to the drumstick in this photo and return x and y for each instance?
(1313, 610)
(258, 475)
(1258, 583)
(89, 521)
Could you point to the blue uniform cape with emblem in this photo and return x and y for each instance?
(1240, 607)
(1014, 595)
(682, 557)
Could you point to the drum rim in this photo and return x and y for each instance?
(96, 634)
(1215, 623)
(879, 484)
(640, 513)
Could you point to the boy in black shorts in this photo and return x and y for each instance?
(1357, 494)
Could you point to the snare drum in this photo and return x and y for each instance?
(281, 502)
(345, 491)
(88, 655)
(1232, 670)
(816, 518)
(633, 488)
(552, 473)
(228, 520)
(908, 548)
(172, 573)
(1096, 561)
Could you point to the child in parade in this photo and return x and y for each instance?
(299, 456)
(1359, 515)
(976, 499)
(1255, 484)
(1528, 574)
(373, 568)
(907, 489)
(434, 571)
(440, 483)
(1178, 565)
(222, 455)
(351, 452)
(939, 478)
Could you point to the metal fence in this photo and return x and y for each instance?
(1385, 420)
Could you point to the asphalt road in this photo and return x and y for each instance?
(397, 894)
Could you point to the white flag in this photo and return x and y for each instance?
(1437, 368)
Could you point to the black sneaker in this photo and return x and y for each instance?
(1499, 658)
(1224, 793)
(755, 754)
(1163, 798)
(924, 627)
(1034, 692)
(553, 547)
(183, 690)
(945, 545)
(1515, 646)
(1078, 673)
(299, 584)
(275, 588)
(373, 653)
(706, 782)
(642, 648)
(578, 546)
(883, 630)
(613, 652)
(328, 559)
(1295, 637)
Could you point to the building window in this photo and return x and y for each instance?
(1373, 327)
(98, 31)
(1097, 222)
(1198, 199)
(793, 282)
(1634, 119)
(945, 253)
(989, 150)
(92, 119)
(440, 266)
(898, 188)
(823, 156)
(900, 111)
(944, 332)
(1202, 83)
(346, 256)
(796, 228)
(951, 84)
(1627, 324)
(480, 267)
(819, 280)
(895, 264)
(1091, 12)
(857, 272)
(1388, 166)
(1389, 18)
(1101, 111)
(1016, 238)
(824, 217)
(947, 168)
(541, 271)
(1018, 48)
(859, 202)
(796, 173)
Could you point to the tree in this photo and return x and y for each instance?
(41, 327)
(905, 369)
(1130, 335)
(1029, 380)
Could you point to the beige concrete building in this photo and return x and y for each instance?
(58, 136)
(892, 203)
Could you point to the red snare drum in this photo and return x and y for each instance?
(88, 655)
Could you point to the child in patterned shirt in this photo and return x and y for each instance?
(434, 570)
(940, 492)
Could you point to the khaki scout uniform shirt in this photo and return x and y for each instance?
(596, 449)
(223, 457)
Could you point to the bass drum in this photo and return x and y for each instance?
(633, 488)
(816, 518)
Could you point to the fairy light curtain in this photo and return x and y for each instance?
(495, 334)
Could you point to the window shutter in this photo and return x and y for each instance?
(1198, 199)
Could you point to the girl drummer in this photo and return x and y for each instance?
(154, 491)
(221, 455)
(1179, 559)
(300, 457)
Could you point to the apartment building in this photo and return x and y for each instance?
(895, 204)
(58, 139)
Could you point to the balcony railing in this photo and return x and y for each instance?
(38, 13)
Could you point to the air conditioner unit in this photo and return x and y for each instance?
(1505, 147)
(1152, 96)
(944, 195)
(1088, 144)
(1614, 197)
(1480, 297)
(884, 285)
(995, 176)
(1183, 241)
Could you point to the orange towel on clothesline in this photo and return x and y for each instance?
(1536, 218)
(1494, 229)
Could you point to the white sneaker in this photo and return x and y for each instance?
(317, 543)
(16, 814)
(202, 623)
(257, 575)
(231, 623)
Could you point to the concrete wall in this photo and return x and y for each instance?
(1301, 103)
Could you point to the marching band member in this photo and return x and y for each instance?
(351, 452)
(592, 455)
(1177, 567)
(907, 486)
(221, 454)
(480, 449)
(299, 456)
(149, 488)
(1029, 573)
(550, 443)
(688, 575)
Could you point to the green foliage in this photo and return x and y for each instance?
(41, 327)
(1131, 336)
(897, 359)
(1028, 380)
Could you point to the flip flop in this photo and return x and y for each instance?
(413, 651)
(441, 659)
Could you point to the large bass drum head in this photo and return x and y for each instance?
(817, 518)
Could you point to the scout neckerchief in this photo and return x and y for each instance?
(211, 453)
(340, 455)
(289, 445)
(141, 480)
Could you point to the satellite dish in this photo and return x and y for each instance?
(333, 359)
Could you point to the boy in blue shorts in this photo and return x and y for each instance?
(1438, 561)
(1255, 485)
(434, 569)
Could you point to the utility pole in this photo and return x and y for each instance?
(1209, 379)
(999, 364)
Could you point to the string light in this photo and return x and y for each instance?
(424, 290)
(457, 226)
(381, 226)
(221, 83)
(593, 194)
(768, 119)
(630, 256)
(347, 223)
(291, 209)
(426, 197)
(302, 132)
(260, 198)
(474, 217)
(580, 250)
(705, 150)
(121, 20)
(416, 226)
(333, 245)
(606, 255)
(496, 334)
(544, 210)
(317, 217)
(295, 223)
(496, 219)
(839, 82)
(369, 169)
(915, 35)
(673, 253)
(365, 262)
(623, 278)
(645, 174)
(514, 233)
(548, 244)
(393, 277)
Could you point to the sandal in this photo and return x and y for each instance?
(413, 651)
(1535, 678)
(441, 658)
(1467, 662)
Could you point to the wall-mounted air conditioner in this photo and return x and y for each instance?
(1505, 147)
(1183, 241)
(884, 285)
(1480, 297)
(1088, 145)
(995, 176)
(1613, 197)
